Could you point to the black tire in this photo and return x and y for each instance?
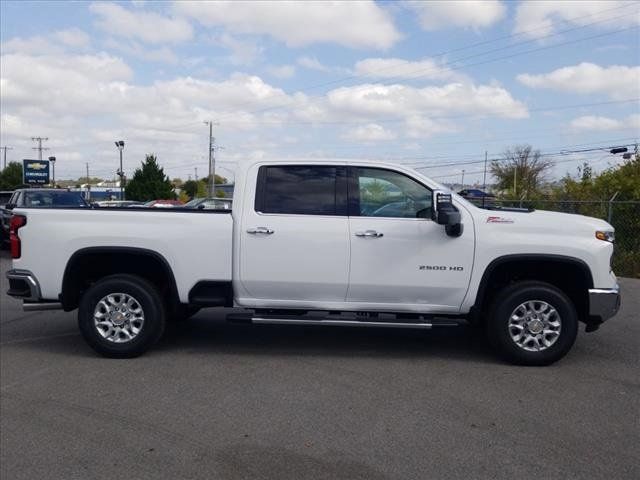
(505, 304)
(148, 298)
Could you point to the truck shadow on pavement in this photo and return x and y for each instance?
(201, 334)
(209, 333)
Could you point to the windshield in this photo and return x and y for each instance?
(193, 203)
(53, 199)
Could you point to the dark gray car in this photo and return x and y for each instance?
(37, 198)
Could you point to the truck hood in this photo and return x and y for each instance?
(555, 221)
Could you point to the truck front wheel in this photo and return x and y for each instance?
(532, 323)
(121, 316)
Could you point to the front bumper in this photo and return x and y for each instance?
(603, 303)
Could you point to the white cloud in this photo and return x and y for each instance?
(282, 71)
(360, 24)
(399, 68)
(423, 127)
(616, 81)
(135, 49)
(597, 123)
(401, 100)
(243, 52)
(56, 42)
(73, 37)
(312, 63)
(369, 133)
(540, 18)
(145, 26)
(441, 14)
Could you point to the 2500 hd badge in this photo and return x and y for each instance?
(440, 267)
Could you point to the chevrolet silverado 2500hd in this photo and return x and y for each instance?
(329, 243)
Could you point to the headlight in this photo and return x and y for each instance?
(606, 236)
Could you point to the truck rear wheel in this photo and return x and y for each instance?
(532, 323)
(121, 316)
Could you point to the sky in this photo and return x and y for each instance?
(433, 85)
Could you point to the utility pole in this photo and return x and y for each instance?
(212, 161)
(515, 179)
(40, 148)
(52, 161)
(196, 174)
(484, 180)
(462, 179)
(120, 147)
(4, 163)
(88, 184)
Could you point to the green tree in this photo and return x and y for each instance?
(190, 187)
(521, 171)
(11, 176)
(594, 191)
(149, 182)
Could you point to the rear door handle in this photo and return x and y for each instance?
(263, 230)
(369, 233)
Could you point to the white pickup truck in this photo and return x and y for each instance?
(322, 243)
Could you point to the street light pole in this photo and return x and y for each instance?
(53, 166)
(120, 146)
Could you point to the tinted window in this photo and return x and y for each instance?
(302, 190)
(385, 193)
(63, 198)
(4, 197)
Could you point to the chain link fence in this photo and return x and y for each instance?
(623, 215)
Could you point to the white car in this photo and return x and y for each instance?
(322, 243)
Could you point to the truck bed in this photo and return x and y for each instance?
(197, 245)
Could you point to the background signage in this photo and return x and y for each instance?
(36, 172)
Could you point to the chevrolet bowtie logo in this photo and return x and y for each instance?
(37, 166)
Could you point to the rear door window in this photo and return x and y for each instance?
(302, 190)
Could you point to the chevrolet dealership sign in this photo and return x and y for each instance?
(35, 171)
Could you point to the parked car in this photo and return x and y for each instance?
(209, 204)
(478, 197)
(5, 195)
(163, 204)
(41, 198)
(300, 249)
(116, 203)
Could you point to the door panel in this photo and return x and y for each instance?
(403, 259)
(298, 248)
(413, 262)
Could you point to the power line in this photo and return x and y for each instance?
(458, 67)
(599, 150)
(443, 117)
(446, 52)
(562, 152)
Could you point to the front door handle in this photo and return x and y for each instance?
(263, 230)
(369, 233)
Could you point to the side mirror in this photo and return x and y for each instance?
(10, 206)
(201, 206)
(445, 213)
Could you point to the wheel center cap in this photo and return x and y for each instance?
(535, 326)
(118, 319)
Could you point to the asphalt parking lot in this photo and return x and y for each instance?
(224, 401)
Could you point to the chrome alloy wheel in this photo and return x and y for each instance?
(118, 317)
(535, 325)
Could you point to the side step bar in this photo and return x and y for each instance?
(37, 306)
(331, 322)
(340, 323)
